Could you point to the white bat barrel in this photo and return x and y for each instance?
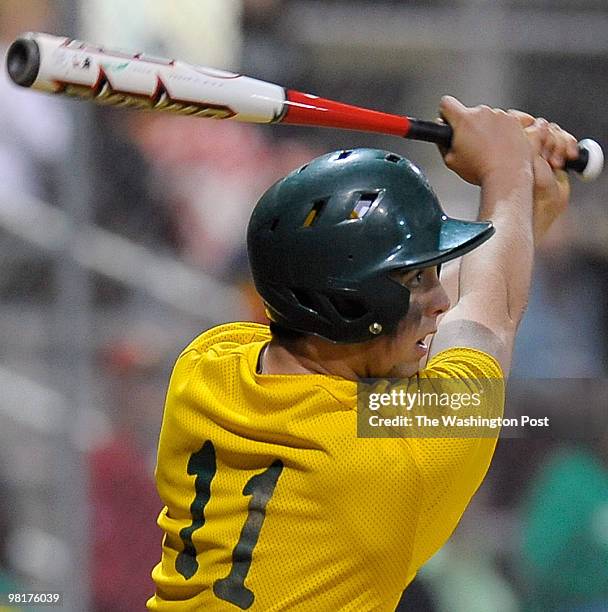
(60, 65)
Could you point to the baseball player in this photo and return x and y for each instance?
(271, 500)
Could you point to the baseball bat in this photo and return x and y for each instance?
(74, 68)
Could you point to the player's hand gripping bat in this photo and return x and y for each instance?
(74, 68)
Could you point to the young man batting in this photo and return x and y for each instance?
(272, 502)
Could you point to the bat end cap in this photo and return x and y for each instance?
(23, 62)
(595, 162)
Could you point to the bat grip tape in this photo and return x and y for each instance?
(441, 134)
(430, 131)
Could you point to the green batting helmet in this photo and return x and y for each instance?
(323, 241)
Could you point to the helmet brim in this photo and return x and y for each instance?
(457, 238)
(460, 237)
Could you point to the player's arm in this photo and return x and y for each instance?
(521, 194)
(450, 271)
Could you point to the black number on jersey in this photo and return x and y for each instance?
(260, 488)
(202, 464)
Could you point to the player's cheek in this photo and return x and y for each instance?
(410, 324)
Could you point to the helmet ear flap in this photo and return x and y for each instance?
(338, 315)
(336, 308)
(307, 299)
(347, 307)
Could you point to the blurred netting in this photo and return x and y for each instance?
(123, 236)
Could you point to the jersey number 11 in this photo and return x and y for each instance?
(260, 488)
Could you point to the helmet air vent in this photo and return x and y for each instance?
(344, 155)
(273, 225)
(365, 203)
(315, 212)
(391, 157)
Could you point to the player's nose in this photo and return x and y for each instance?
(438, 302)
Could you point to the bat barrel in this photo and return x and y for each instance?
(60, 65)
(23, 62)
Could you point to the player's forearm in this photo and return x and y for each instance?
(499, 272)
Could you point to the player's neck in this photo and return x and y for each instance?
(311, 357)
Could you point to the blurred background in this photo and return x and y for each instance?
(122, 236)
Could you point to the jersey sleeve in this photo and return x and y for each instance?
(452, 469)
(464, 363)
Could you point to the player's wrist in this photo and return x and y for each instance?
(507, 198)
(509, 176)
(512, 170)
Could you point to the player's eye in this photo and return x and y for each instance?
(414, 279)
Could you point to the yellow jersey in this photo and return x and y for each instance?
(273, 503)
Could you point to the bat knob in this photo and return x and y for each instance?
(23, 62)
(591, 153)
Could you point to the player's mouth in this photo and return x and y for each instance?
(421, 348)
(421, 345)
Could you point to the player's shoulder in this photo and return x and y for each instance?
(223, 344)
(464, 363)
(228, 337)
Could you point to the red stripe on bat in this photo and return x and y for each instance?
(306, 109)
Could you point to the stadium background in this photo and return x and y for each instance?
(122, 236)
